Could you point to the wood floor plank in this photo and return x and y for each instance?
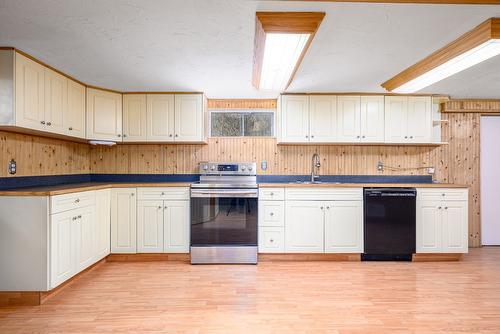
(274, 297)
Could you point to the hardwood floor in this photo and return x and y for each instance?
(274, 297)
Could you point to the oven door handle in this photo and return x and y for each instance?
(224, 193)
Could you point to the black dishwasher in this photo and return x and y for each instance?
(389, 224)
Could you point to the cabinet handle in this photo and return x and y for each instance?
(406, 137)
(176, 135)
(271, 240)
(79, 216)
(440, 208)
(443, 194)
(159, 208)
(307, 136)
(272, 194)
(357, 137)
(328, 208)
(124, 136)
(165, 207)
(132, 194)
(119, 135)
(74, 218)
(162, 193)
(42, 122)
(446, 208)
(312, 136)
(271, 214)
(363, 136)
(77, 200)
(321, 208)
(70, 129)
(411, 137)
(49, 124)
(170, 135)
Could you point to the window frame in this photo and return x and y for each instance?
(243, 111)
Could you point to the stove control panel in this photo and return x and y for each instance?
(230, 168)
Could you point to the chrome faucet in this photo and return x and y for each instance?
(315, 163)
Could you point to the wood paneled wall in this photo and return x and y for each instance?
(42, 156)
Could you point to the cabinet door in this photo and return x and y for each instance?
(29, 93)
(103, 223)
(123, 220)
(160, 117)
(419, 122)
(294, 118)
(104, 115)
(271, 213)
(56, 101)
(323, 118)
(75, 115)
(62, 253)
(429, 227)
(455, 227)
(344, 227)
(150, 227)
(372, 119)
(304, 227)
(189, 117)
(348, 108)
(134, 117)
(396, 119)
(85, 237)
(176, 230)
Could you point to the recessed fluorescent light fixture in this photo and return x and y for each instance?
(102, 142)
(472, 48)
(281, 41)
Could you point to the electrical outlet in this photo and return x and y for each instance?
(12, 167)
(431, 170)
(380, 166)
(263, 165)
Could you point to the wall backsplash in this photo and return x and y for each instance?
(457, 162)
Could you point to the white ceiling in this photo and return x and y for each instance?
(207, 45)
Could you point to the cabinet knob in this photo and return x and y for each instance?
(272, 194)
(321, 208)
(49, 124)
(363, 136)
(74, 218)
(271, 214)
(119, 135)
(70, 128)
(446, 208)
(132, 194)
(443, 194)
(79, 216)
(42, 122)
(357, 137)
(307, 136)
(162, 193)
(77, 200)
(170, 135)
(440, 208)
(271, 240)
(328, 208)
(406, 137)
(312, 136)
(411, 137)
(124, 135)
(176, 135)
(159, 208)
(165, 207)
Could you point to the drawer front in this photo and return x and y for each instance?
(168, 193)
(61, 203)
(271, 213)
(324, 194)
(272, 194)
(271, 240)
(444, 194)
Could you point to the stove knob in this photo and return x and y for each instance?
(249, 167)
(212, 168)
(243, 168)
(205, 167)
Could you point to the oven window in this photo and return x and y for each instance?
(223, 221)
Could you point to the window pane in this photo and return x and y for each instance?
(226, 124)
(258, 124)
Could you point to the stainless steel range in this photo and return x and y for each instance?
(224, 214)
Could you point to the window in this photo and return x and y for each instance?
(242, 123)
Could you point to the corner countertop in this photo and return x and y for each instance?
(77, 187)
(359, 185)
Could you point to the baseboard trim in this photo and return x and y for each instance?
(149, 257)
(436, 257)
(269, 257)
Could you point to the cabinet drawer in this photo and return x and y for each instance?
(60, 203)
(167, 193)
(272, 194)
(271, 239)
(445, 194)
(324, 194)
(271, 213)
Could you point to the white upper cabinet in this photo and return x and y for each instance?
(408, 119)
(29, 93)
(104, 115)
(372, 119)
(134, 117)
(294, 117)
(160, 117)
(349, 108)
(74, 120)
(323, 120)
(189, 121)
(56, 101)
(419, 119)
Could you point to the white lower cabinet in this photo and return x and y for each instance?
(63, 237)
(150, 226)
(103, 223)
(304, 227)
(442, 225)
(176, 227)
(271, 239)
(123, 220)
(344, 227)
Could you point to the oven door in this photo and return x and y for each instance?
(223, 217)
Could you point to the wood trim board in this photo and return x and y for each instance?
(472, 106)
(234, 104)
(420, 2)
(484, 32)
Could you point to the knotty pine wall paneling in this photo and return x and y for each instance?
(42, 156)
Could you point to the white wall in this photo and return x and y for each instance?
(490, 180)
